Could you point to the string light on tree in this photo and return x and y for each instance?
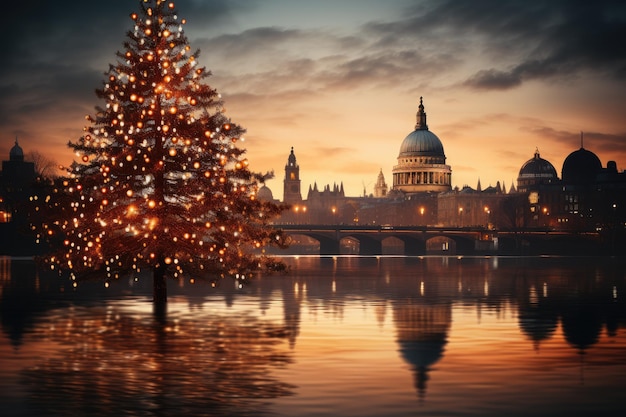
(159, 182)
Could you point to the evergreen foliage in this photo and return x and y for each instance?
(159, 182)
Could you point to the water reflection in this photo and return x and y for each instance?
(112, 357)
(453, 326)
(110, 360)
(422, 332)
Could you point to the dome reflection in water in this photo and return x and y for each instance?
(349, 336)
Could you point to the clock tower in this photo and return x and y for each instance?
(291, 192)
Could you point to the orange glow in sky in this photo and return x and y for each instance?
(341, 81)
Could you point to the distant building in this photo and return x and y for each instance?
(468, 207)
(421, 161)
(16, 181)
(534, 173)
(588, 197)
(17, 185)
(380, 188)
(265, 194)
(592, 196)
(291, 183)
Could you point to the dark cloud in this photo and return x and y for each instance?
(387, 68)
(57, 51)
(257, 40)
(597, 142)
(523, 40)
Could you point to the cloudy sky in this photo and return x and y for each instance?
(340, 80)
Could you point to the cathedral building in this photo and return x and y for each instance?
(588, 197)
(421, 162)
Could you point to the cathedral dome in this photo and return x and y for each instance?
(265, 194)
(421, 161)
(16, 153)
(534, 172)
(537, 167)
(581, 167)
(421, 143)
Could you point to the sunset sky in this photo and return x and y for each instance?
(340, 80)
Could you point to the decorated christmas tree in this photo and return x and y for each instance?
(159, 182)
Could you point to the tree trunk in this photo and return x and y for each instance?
(159, 292)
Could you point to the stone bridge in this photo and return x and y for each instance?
(467, 241)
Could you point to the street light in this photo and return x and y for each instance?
(487, 213)
(299, 209)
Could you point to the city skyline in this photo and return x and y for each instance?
(340, 82)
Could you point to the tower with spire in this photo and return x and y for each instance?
(291, 183)
(380, 189)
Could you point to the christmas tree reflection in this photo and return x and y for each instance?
(129, 364)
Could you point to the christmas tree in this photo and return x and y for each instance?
(159, 182)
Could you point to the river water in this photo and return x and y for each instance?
(336, 336)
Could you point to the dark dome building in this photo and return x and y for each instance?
(535, 172)
(16, 153)
(581, 167)
(421, 161)
(17, 175)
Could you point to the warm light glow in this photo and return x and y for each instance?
(143, 121)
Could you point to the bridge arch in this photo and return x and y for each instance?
(368, 244)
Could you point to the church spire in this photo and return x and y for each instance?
(581, 140)
(291, 160)
(421, 117)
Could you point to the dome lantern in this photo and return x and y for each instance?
(421, 117)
